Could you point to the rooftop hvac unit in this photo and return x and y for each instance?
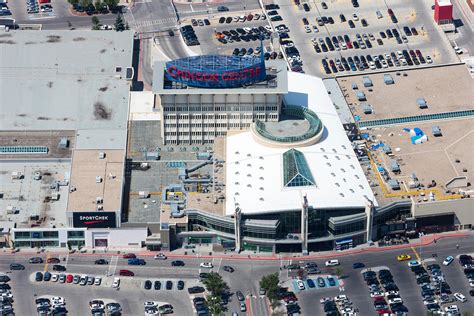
(100, 207)
(143, 195)
(99, 200)
(17, 175)
(101, 155)
(55, 196)
(98, 179)
(63, 143)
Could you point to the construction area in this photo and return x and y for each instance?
(432, 160)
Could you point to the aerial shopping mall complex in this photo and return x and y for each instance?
(232, 152)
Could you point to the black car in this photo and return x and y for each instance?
(240, 296)
(228, 20)
(351, 24)
(39, 277)
(355, 4)
(147, 285)
(203, 275)
(324, 5)
(382, 34)
(177, 263)
(222, 20)
(47, 276)
(228, 269)
(36, 260)
(101, 261)
(276, 18)
(59, 268)
(16, 266)
(195, 289)
(306, 7)
(342, 18)
(364, 22)
(157, 285)
(180, 285)
(169, 285)
(389, 33)
(206, 21)
(222, 8)
(330, 20)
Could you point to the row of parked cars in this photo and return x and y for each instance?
(245, 34)
(384, 291)
(157, 285)
(55, 305)
(256, 52)
(32, 6)
(189, 36)
(6, 296)
(241, 18)
(68, 278)
(468, 264)
(361, 62)
(99, 308)
(153, 308)
(339, 305)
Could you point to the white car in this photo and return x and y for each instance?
(160, 256)
(355, 17)
(206, 265)
(391, 293)
(429, 60)
(448, 260)
(452, 309)
(430, 301)
(395, 300)
(315, 29)
(458, 50)
(97, 281)
(307, 29)
(54, 277)
(460, 297)
(116, 283)
(150, 304)
(471, 283)
(376, 294)
(7, 294)
(414, 263)
(339, 298)
(300, 284)
(332, 263)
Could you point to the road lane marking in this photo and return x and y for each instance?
(416, 254)
(112, 266)
(249, 306)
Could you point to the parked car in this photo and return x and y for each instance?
(16, 266)
(35, 260)
(129, 256)
(448, 260)
(39, 277)
(126, 273)
(116, 283)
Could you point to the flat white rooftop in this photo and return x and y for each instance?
(255, 172)
(63, 80)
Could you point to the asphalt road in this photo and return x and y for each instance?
(464, 20)
(59, 19)
(245, 278)
(151, 15)
(186, 10)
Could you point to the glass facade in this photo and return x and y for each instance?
(75, 234)
(347, 228)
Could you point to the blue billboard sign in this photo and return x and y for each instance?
(216, 71)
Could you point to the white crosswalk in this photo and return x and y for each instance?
(112, 266)
(139, 24)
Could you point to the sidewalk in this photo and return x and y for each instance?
(249, 255)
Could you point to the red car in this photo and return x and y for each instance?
(129, 256)
(53, 260)
(69, 278)
(349, 45)
(126, 273)
(390, 12)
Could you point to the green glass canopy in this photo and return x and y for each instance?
(296, 172)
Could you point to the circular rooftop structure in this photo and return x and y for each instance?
(298, 127)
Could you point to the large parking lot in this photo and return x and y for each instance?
(335, 34)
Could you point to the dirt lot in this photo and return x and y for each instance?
(445, 89)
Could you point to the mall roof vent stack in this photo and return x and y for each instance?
(101, 155)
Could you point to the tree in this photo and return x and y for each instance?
(73, 2)
(98, 5)
(213, 303)
(119, 26)
(339, 272)
(112, 4)
(270, 284)
(95, 23)
(215, 284)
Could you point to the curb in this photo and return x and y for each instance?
(263, 258)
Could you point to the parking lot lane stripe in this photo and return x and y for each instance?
(416, 254)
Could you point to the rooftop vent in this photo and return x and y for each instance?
(237, 153)
(334, 150)
(249, 185)
(356, 176)
(342, 169)
(361, 186)
(328, 163)
(341, 194)
(261, 178)
(249, 155)
(352, 190)
(237, 172)
(343, 146)
(322, 149)
(261, 189)
(333, 174)
(236, 183)
(249, 175)
(249, 165)
(261, 199)
(337, 184)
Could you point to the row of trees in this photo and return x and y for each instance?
(98, 6)
(217, 287)
(119, 24)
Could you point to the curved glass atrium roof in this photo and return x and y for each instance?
(296, 172)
